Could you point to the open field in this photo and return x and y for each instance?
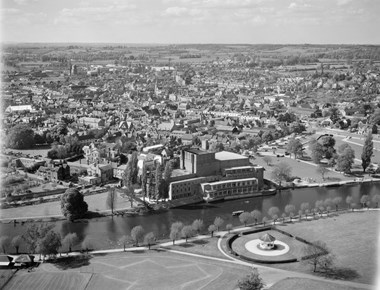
(300, 169)
(32, 152)
(145, 270)
(96, 202)
(307, 284)
(48, 280)
(355, 247)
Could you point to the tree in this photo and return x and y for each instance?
(273, 212)
(166, 175)
(49, 244)
(137, 234)
(367, 152)
(265, 219)
(187, 232)
(134, 168)
(175, 231)
(144, 178)
(245, 217)
(346, 160)
(73, 205)
(20, 136)
(349, 200)
(318, 255)
(127, 175)
(16, 242)
(267, 159)
(294, 146)
(336, 201)
(4, 243)
(300, 214)
(376, 199)
(328, 143)
(364, 200)
(281, 172)
(34, 234)
(212, 229)
(197, 225)
(305, 206)
(70, 240)
(283, 217)
(256, 215)
(87, 244)
(316, 152)
(158, 181)
(218, 222)
(322, 170)
(124, 240)
(252, 281)
(290, 209)
(149, 239)
(111, 199)
(229, 227)
(328, 202)
(319, 204)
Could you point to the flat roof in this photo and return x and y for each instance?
(197, 151)
(225, 155)
(229, 181)
(243, 167)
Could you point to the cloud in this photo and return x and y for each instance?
(343, 2)
(24, 2)
(93, 14)
(183, 11)
(292, 5)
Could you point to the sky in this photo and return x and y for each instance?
(192, 21)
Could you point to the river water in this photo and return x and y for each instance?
(105, 232)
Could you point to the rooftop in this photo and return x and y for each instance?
(225, 155)
(197, 151)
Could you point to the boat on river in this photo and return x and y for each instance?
(237, 213)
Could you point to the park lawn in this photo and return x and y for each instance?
(46, 280)
(207, 247)
(96, 203)
(142, 270)
(351, 237)
(5, 275)
(308, 284)
(300, 169)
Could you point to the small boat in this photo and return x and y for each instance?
(237, 213)
(247, 201)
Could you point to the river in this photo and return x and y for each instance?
(106, 231)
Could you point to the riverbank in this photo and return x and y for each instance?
(52, 210)
(204, 247)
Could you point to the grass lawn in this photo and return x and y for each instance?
(295, 246)
(47, 280)
(307, 284)
(5, 275)
(207, 247)
(96, 202)
(300, 169)
(351, 237)
(143, 270)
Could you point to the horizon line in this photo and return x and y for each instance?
(185, 43)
